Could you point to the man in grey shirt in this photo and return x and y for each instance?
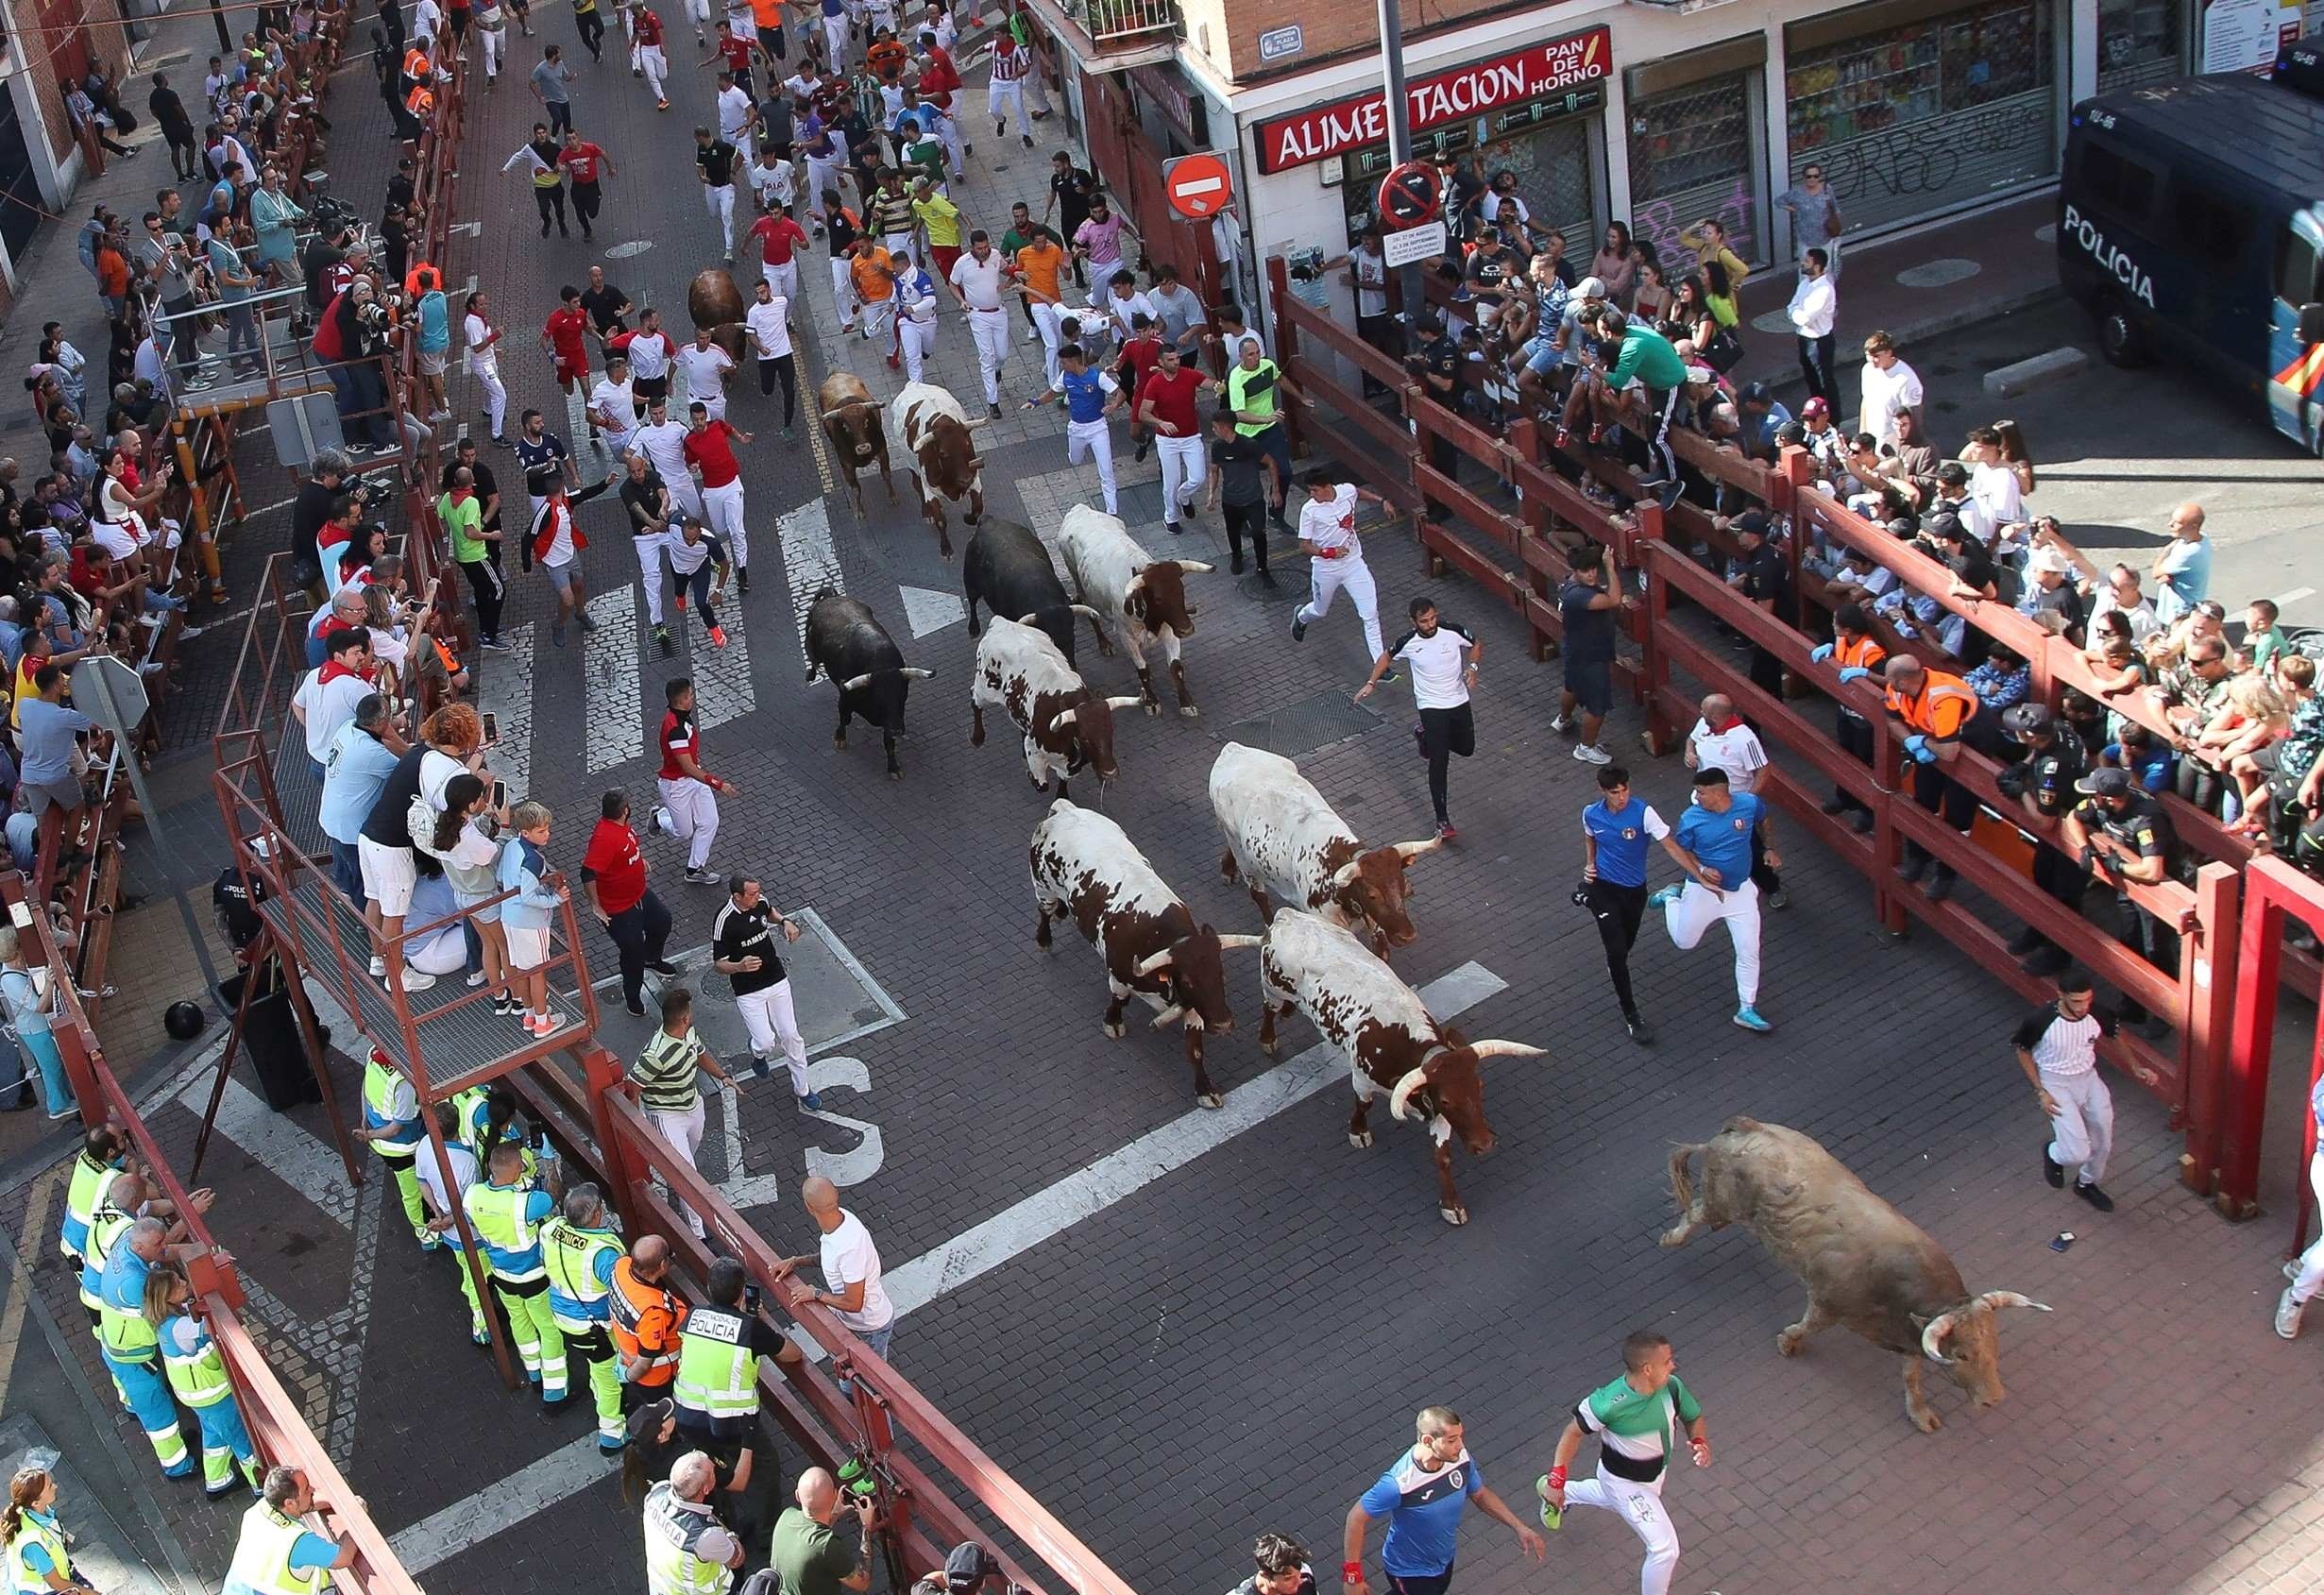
(45, 730)
(549, 80)
(171, 271)
(1178, 309)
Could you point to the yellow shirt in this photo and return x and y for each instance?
(941, 217)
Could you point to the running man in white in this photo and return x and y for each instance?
(689, 808)
(613, 406)
(483, 342)
(1090, 399)
(1637, 1419)
(915, 315)
(662, 441)
(976, 278)
(2306, 1271)
(1712, 844)
(742, 945)
(704, 365)
(2058, 1048)
(646, 497)
(1328, 533)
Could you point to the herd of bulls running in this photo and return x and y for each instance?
(1331, 907)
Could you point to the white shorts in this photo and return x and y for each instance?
(527, 949)
(389, 876)
(432, 365)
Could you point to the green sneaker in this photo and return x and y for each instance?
(1552, 1517)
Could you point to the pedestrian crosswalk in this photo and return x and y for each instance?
(616, 731)
(505, 691)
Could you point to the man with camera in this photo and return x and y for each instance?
(811, 1553)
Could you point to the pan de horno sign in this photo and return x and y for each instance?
(1536, 71)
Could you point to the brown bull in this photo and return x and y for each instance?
(1866, 1266)
(858, 435)
(714, 301)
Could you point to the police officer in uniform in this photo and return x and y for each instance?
(689, 1552)
(507, 1214)
(646, 1318)
(717, 1385)
(1765, 579)
(391, 1123)
(1857, 655)
(580, 1251)
(2120, 835)
(2043, 780)
(1438, 365)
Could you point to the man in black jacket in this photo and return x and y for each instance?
(176, 128)
(311, 508)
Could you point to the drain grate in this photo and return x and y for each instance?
(1297, 728)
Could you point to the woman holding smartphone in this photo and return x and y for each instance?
(467, 843)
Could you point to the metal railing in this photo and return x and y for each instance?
(1115, 24)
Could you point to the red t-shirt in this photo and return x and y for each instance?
(777, 237)
(582, 163)
(566, 328)
(738, 53)
(679, 737)
(618, 867)
(708, 448)
(1173, 400)
(649, 27)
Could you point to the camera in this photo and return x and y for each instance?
(364, 491)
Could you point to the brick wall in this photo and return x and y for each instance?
(45, 52)
(1226, 31)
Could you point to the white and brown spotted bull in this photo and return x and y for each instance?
(1142, 600)
(934, 430)
(1084, 867)
(1282, 838)
(1067, 727)
(852, 425)
(1391, 1041)
(1866, 1266)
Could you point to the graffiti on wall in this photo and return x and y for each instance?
(1660, 221)
(1928, 157)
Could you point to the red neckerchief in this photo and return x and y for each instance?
(548, 538)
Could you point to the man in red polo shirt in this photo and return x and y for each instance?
(1166, 403)
(709, 448)
(613, 874)
(583, 164)
(779, 239)
(565, 336)
(649, 61)
(689, 808)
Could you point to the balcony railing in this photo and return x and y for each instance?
(1109, 35)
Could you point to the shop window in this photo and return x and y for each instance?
(2140, 41)
(2116, 184)
(2296, 272)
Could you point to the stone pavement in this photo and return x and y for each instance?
(1238, 1343)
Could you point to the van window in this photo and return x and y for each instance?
(2197, 213)
(2296, 282)
(2118, 183)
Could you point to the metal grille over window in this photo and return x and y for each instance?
(2140, 41)
(1691, 156)
(1554, 178)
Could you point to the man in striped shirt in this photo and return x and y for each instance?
(2058, 1048)
(1005, 87)
(668, 1089)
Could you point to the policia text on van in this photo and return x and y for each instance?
(2191, 222)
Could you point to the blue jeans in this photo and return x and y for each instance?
(55, 1088)
(875, 1340)
(346, 870)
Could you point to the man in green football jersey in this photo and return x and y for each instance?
(1637, 1419)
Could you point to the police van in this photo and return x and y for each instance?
(2190, 222)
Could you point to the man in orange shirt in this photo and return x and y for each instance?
(647, 1318)
(1856, 655)
(873, 271)
(1038, 270)
(1936, 710)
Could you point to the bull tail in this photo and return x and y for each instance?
(1682, 1195)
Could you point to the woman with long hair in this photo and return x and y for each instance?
(1722, 297)
(197, 1378)
(1691, 313)
(38, 1557)
(1616, 265)
(2015, 455)
(1650, 296)
(466, 840)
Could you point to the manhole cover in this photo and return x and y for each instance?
(1938, 274)
(1773, 321)
(1297, 728)
(1288, 588)
(630, 247)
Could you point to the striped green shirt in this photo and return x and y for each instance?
(665, 1071)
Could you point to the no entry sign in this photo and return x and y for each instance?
(1198, 186)
(1409, 195)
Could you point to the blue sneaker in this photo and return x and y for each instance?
(1749, 1019)
(810, 1103)
(1664, 897)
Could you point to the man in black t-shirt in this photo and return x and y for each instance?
(1765, 579)
(1244, 477)
(383, 847)
(312, 509)
(1439, 365)
(605, 304)
(1070, 188)
(742, 946)
(1587, 606)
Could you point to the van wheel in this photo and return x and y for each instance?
(2119, 338)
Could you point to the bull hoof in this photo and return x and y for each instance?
(1212, 1099)
(1359, 1138)
(839, 739)
(1153, 707)
(895, 775)
(1926, 1421)
(1787, 1343)
(974, 519)
(1270, 1047)
(1113, 1031)
(1454, 1214)
(1188, 710)
(1677, 1237)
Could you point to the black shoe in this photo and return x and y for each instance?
(1861, 822)
(2046, 961)
(1299, 630)
(662, 640)
(1235, 565)
(1913, 869)
(1267, 577)
(2052, 1170)
(1835, 807)
(1780, 898)
(636, 1007)
(1639, 1032)
(2095, 1198)
(1144, 448)
(1940, 884)
(1389, 678)
(2024, 942)
(742, 580)
(661, 966)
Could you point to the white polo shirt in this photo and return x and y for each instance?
(705, 370)
(979, 281)
(767, 324)
(1437, 679)
(1735, 751)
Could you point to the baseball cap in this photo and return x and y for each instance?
(2105, 783)
(1752, 521)
(1946, 525)
(968, 1566)
(1590, 288)
(649, 1418)
(2027, 719)
(1814, 407)
(1757, 393)
(2048, 562)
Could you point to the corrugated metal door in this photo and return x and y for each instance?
(1556, 177)
(1694, 152)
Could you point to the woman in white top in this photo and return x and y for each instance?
(467, 843)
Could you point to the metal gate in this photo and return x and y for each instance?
(20, 188)
(1557, 176)
(1694, 153)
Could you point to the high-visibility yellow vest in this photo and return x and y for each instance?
(197, 1377)
(512, 1241)
(263, 1556)
(671, 1533)
(569, 1254)
(717, 1372)
(48, 1537)
(92, 1180)
(380, 1083)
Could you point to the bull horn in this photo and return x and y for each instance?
(1932, 1338)
(976, 463)
(1137, 586)
(979, 421)
(1193, 568)
(1086, 612)
(1996, 1299)
(1400, 1098)
(857, 683)
(1411, 850)
(1033, 618)
(1064, 721)
(1344, 875)
(1130, 703)
(1236, 943)
(914, 672)
(1507, 1049)
(1155, 965)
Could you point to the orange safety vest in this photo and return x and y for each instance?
(1862, 654)
(1939, 709)
(416, 62)
(637, 1308)
(420, 102)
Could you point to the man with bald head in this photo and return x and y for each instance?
(813, 1554)
(851, 1267)
(647, 1318)
(689, 1552)
(2181, 569)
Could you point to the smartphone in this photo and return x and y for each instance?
(500, 795)
(492, 732)
(752, 1296)
(536, 1136)
(2066, 1239)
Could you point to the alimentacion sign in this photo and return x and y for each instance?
(1537, 72)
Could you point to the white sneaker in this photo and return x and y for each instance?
(378, 968)
(416, 979)
(477, 978)
(2291, 1269)
(663, 823)
(1589, 754)
(1563, 723)
(2287, 1315)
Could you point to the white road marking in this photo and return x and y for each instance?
(471, 229)
(1057, 1208)
(745, 1191)
(927, 610)
(2285, 600)
(530, 1490)
(862, 1161)
(277, 1144)
(811, 563)
(506, 693)
(723, 688)
(617, 729)
(577, 421)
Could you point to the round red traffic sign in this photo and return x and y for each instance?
(1409, 195)
(1198, 186)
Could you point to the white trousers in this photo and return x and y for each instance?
(783, 278)
(2083, 1134)
(877, 317)
(917, 339)
(900, 243)
(683, 1130)
(496, 395)
(718, 199)
(823, 173)
(948, 133)
(686, 496)
(656, 67)
(1640, 1507)
(990, 328)
(699, 11)
(722, 509)
(766, 1014)
(713, 403)
(1044, 322)
(694, 811)
(835, 40)
(843, 293)
(1093, 438)
(1000, 96)
(495, 39)
(1326, 577)
(2311, 1260)
(741, 139)
(649, 546)
(1183, 471)
(1697, 909)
